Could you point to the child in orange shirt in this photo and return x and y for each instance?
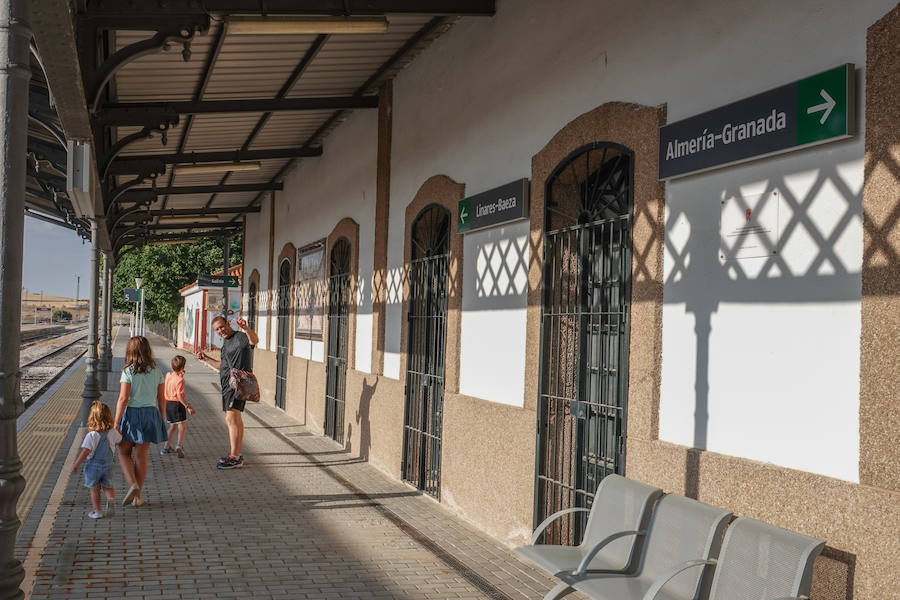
(177, 406)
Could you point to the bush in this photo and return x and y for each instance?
(62, 315)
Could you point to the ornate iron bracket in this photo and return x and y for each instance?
(146, 132)
(164, 37)
(140, 208)
(117, 192)
(58, 135)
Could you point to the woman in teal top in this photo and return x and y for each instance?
(139, 415)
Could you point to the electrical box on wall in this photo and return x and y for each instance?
(750, 226)
(78, 177)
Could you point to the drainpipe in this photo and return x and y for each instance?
(15, 37)
(91, 385)
(102, 364)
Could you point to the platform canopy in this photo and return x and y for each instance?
(46, 197)
(184, 114)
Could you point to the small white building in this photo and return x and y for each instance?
(202, 303)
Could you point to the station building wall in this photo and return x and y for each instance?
(758, 384)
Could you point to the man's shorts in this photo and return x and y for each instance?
(230, 401)
(175, 413)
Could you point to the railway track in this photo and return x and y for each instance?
(41, 367)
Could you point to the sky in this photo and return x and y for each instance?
(53, 257)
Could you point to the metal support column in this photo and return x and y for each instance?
(91, 384)
(109, 318)
(102, 364)
(15, 36)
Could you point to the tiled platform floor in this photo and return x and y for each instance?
(301, 520)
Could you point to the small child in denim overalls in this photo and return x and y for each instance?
(97, 456)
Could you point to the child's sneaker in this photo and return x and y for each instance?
(166, 450)
(95, 514)
(232, 462)
(179, 451)
(110, 507)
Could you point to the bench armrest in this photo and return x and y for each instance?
(540, 528)
(590, 555)
(665, 577)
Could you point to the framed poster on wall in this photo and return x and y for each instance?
(310, 297)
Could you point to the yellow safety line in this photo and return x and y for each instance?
(32, 561)
(41, 438)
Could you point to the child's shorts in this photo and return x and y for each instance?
(98, 474)
(175, 413)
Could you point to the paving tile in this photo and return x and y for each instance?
(298, 521)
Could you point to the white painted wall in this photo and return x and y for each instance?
(495, 290)
(777, 368)
(317, 194)
(482, 100)
(256, 250)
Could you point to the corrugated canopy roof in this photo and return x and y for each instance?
(175, 86)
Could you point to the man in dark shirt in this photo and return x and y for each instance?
(237, 353)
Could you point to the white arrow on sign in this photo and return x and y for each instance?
(827, 106)
(463, 215)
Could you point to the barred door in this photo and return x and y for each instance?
(426, 337)
(584, 333)
(284, 326)
(338, 332)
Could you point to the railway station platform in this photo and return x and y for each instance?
(300, 520)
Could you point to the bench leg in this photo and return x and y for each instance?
(559, 591)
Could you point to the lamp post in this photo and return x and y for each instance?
(102, 364)
(139, 320)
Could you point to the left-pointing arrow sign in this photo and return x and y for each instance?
(827, 106)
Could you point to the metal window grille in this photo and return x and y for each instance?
(584, 333)
(251, 307)
(284, 325)
(338, 342)
(427, 325)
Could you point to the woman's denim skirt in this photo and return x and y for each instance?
(143, 425)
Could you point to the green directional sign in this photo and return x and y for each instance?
(217, 281)
(823, 106)
(814, 110)
(464, 216)
(497, 206)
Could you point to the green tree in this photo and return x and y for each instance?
(62, 315)
(164, 270)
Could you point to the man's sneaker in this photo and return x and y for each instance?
(232, 462)
(95, 514)
(166, 450)
(179, 451)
